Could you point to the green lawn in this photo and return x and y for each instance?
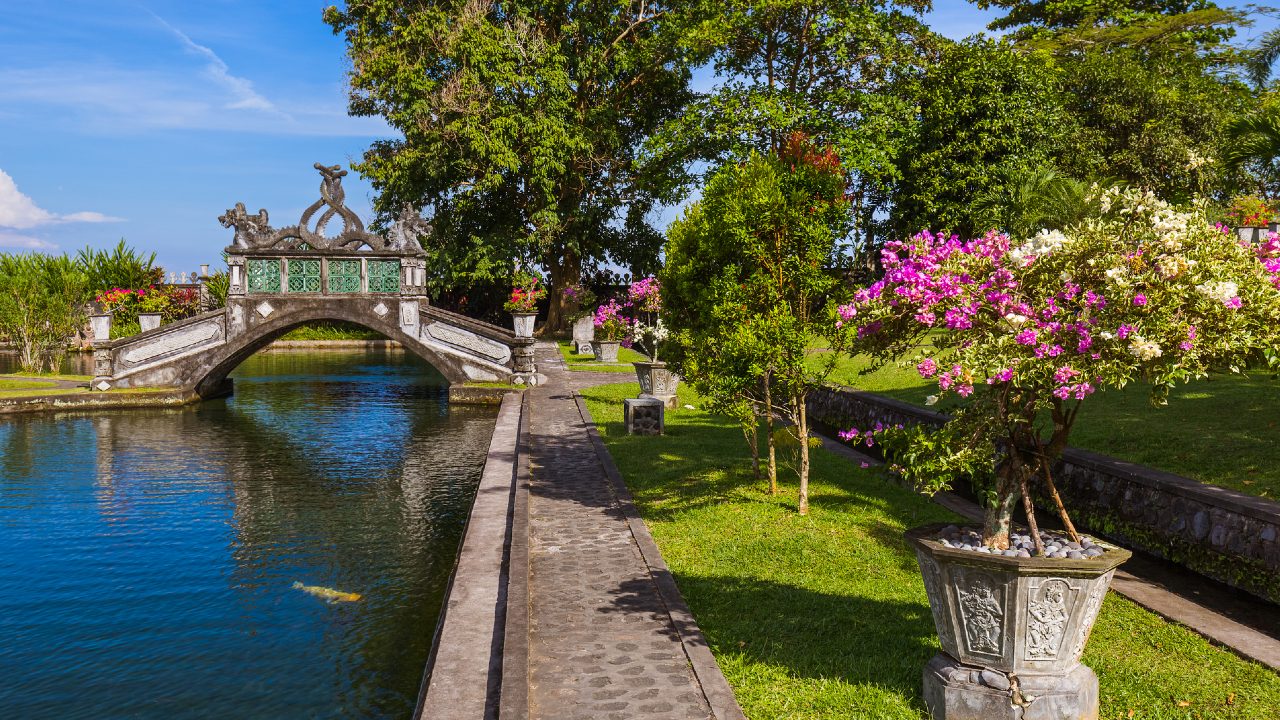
(19, 383)
(588, 362)
(46, 376)
(1224, 432)
(825, 616)
(332, 331)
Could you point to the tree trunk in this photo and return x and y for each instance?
(753, 438)
(995, 530)
(803, 427)
(773, 451)
(565, 270)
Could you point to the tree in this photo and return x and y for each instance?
(1254, 141)
(521, 124)
(985, 111)
(1143, 290)
(42, 299)
(827, 69)
(747, 284)
(1089, 25)
(1034, 199)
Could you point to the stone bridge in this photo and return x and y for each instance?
(281, 279)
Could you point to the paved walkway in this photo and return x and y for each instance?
(601, 642)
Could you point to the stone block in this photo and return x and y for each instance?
(644, 416)
(953, 691)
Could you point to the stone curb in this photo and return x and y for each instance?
(463, 674)
(1214, 627)
(514, 704)
(97, 401)
(715, 688)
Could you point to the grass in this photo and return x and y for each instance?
(18, 383)
(41, 392)
(825, 616)
(588, 362)
(1224, 432)
(332, 331)
(46, 376)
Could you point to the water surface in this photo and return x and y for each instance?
(147, 557)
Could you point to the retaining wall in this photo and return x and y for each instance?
(1227, 535)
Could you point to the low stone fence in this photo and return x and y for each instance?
(1227, 535)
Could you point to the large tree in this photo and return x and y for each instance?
(828, 69)
(521, 123)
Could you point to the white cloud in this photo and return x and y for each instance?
(241, 89)
(19, 211)
(12, 240)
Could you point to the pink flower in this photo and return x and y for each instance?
(1063, 392)
(928, 368)
(965, 390)
(865, 465)
(1027, 337)
(1233, 303)
(1125, 330)
(1139, 299)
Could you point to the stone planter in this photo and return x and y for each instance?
(606, 350)
(524, 323)
(1002, 620)
(1256, 233)
(100, 325)
(149, 321)
(656, 381)
(584, 331)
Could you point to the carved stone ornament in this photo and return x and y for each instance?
(983, 615)
(254, 232)
(1048, 613)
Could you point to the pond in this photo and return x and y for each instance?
(150, 557)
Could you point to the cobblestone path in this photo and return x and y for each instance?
(601, 643)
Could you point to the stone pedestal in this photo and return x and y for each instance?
(1004, 619)
(644, 416)
(656, 381)
(960, 692)
(584, 331)
(606, 351)
(149, 321)
(100, 326)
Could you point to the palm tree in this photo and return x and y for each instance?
(1025, 201)
(1254, 138)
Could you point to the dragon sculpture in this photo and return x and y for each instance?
(253, 232)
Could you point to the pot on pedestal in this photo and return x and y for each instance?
(1007, 622)
(606, 350)
(149, 321)
(656, 381)
(523, 323)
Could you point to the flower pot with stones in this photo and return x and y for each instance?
(149, 321)
(656, 381)
(524, 323)
(1012, 629)
(606, 350)
(584, 331)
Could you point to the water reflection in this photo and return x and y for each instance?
(149, 555)
(76, 363)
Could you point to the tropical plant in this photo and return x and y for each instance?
(1024, 201)
(125, 305)
(747, 287)
(646, 328)
(1254, 138)
(580, 299)
(1250, 210)
(1144, 290)
(611, 322)
(42, 299)
(121, 267)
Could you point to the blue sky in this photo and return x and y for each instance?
(147, 121)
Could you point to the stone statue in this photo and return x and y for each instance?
(404, 233)
(248, 227)
(1048, 621)
(982, 616)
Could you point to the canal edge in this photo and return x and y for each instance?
(462, 679)
(514, 702)
(715, 687)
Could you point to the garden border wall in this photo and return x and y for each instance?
(1224, 534)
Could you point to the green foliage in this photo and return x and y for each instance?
(42, 300)
(1150, 121)
(520, 127)
(1173, 26)
(987, 114)
(1023, 202)
(746, 283)
(122, 267)
(1254, 143)
(1250, 210)
(828, 69)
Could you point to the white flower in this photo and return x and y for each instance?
(1194, 161)
(1065, 277)
(1107, 335)
(1013, 321)
(932, 399)
(1144, 349)
(688, 407)
(1220, 291)
(1044, 243)
(1118, 275)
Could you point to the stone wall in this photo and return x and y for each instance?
(1224, 534)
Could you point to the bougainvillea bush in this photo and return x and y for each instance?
(611, 322)
(1024, 334)
(1250, 210)
(124, 305)
(646, 329)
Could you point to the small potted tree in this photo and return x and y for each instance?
(611, 328)
(1251, 216)
(1023, 333)
(647, 332)
(523, 303)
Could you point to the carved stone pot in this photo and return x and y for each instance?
(656, 381)
(149, 321)
(606, 350)
(524, 323)
(584, 331)
(1006, 620)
